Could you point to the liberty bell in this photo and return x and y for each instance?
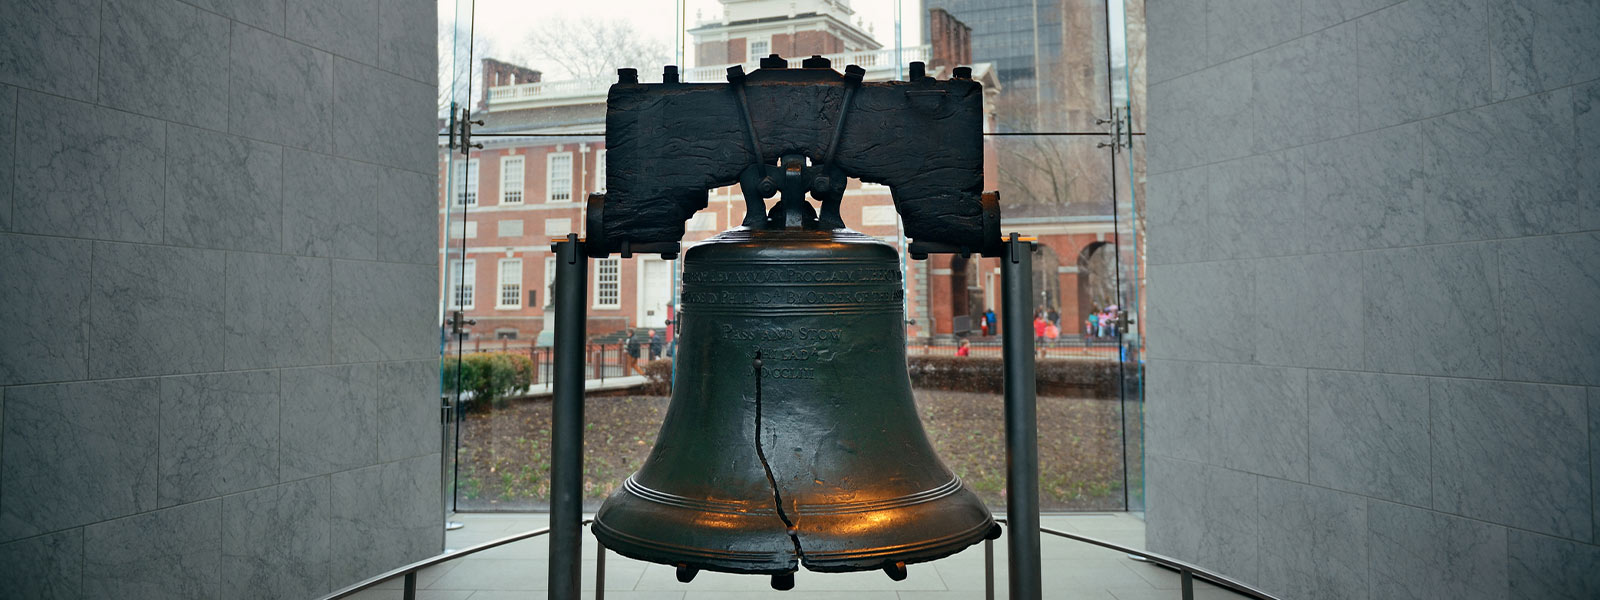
(792, 438)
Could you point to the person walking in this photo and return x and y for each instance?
(989, 319)
(630, 347)
(965, 349)
(655, 345)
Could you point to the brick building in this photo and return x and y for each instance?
(544, 152)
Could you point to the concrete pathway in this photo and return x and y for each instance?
(1072, 570)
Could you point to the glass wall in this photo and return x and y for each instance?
(1063, 98)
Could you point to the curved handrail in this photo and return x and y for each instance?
(411, 569)
(1166, 561)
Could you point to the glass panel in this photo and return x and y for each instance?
(1128, 59)
(458, 187)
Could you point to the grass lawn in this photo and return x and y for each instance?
(505, 453)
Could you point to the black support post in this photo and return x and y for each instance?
(1022, 435)
(566, 435)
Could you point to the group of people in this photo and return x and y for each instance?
(1102, 323)
(632, 348)
(1046, 325)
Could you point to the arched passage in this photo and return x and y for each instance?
(1097, 278)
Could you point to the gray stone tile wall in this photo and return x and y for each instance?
(185, 386)
(1373, 329)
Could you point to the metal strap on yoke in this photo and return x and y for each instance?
(736, 79)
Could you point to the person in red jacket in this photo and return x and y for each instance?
(965, 348)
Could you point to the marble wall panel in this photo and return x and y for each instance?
(1546, 567)
(1194, 311)
(276, 541)
(1229, 522)
(1365, 191)
(406, 42)
(408, 220)
(278, 311)
(89, 172)
(1306, 89)
(1175, 119)
(223, 191)
(1502, 170)
(385, 515)
(46, 567)
(1227, 111)
(1422, 58)
(1370, 435)
(1257, 205)
(263, 14)
(44, 293)
(384, 118)
(1235, 28)
(1177, 38)
(1320, 14)
(383, 311)
(1539, 45)
(51, 46)
(348, 28)
(77, 453)
(1554, 333)
(219, 435)
(1512, 453)
(1313, 541)
(1182, 396)
(8, 151)
(1173, 493)
(1259, 419)
(330, 206)
(329, 420)
(1433, 310)
(171, 553)
(1182, 218)
(1417, 553)
(281, 91)
(408, 409)
(155, 310)
(167, 60)
(1586, 113)
(1310, 297)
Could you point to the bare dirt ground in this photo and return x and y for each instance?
(505, 453)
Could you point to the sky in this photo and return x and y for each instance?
(503, 23)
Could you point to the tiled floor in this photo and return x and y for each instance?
(1072, 570)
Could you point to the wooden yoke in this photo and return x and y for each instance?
(668, 144)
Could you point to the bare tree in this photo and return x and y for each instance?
(592, 48)
(458, 53)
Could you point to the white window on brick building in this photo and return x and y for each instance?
(703, 221)
(511, 228)
(558, 177)
(510, 283)
(759, 49)
(462, 276)
(549, 280)
(463, 229)
(878, 215)
(511, 180)
(600, 170)
(607, 283)
(465, 183)
(557, 227)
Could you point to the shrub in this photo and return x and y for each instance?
(1092, 378)
(659, 373)
(490, 377)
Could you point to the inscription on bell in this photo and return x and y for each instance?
(792, 276)
(761, 297)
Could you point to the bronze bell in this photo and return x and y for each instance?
(792, 438)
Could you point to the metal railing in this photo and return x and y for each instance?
(1187, 572)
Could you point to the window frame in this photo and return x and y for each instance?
(463, 280)
(750, 54)
(550, 178)
(600, 170)
(600, 280)
(502, 283)
(506, 184)
(467, 193)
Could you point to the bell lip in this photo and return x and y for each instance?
(742, 563)
(921, 552)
